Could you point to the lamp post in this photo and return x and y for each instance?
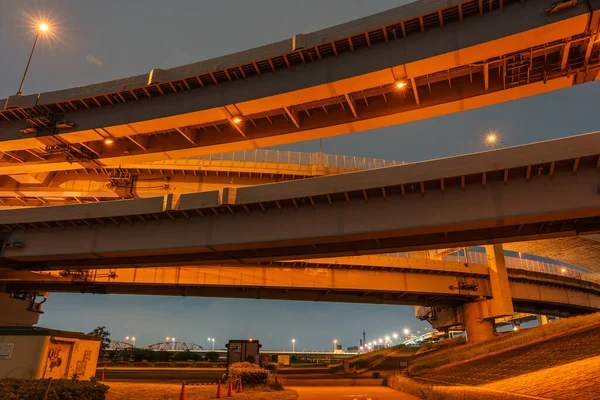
(42, 28)
(293, 345)
(213, 342)
(334, 345)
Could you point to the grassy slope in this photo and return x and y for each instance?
(442, 357)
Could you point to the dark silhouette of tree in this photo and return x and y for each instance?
(104, 334)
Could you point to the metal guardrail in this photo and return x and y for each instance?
(301, 158)
(473, 257)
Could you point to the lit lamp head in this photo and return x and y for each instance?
(43, 27)
(400, 84)
(491, 138)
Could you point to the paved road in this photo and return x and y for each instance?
(350, 393)
(193, 375)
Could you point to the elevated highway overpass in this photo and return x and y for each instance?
(537, 191)
(421, 60)
(539, 288)
(77, 185)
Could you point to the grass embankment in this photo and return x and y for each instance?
(365, 360)
(463, 352)
(428, 392)
(165, 391)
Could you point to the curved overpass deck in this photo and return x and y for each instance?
(543, 190)
(78, 185)
(450, 57)
(373, 279)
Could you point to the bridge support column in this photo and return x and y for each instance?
(500, 304)
(18, 311)
(479, 329)
(542, 319)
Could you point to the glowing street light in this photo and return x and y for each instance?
(109, 141)
(42, 28)
(293, 345)
(237, 120)
(380, 340)
(132, 339)
(492, 139)
(406, 331)
(213, 342)
(400, 84)
(395, 335)
(387, 339)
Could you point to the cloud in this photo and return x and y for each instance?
(92, 59)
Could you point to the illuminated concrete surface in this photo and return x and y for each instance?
(372, 279)
(542, 190)
(448, 57)
(583, 251)
(244, 168)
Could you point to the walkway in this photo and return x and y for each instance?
(350, 393)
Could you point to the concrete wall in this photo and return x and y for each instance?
(37, 356)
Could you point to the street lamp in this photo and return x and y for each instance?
(395, 335)
(406, 332)
(492, 139)
(133, 340)
(42, 28)
(293, 345)
(213, 342)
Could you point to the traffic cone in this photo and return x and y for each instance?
(230, 390)
(102, 376)
(182, 394)
(219, 390)
(239, 389)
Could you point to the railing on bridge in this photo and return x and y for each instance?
(474, 257)
(300, 158)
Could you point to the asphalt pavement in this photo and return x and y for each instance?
(350, 393)
(191, 375)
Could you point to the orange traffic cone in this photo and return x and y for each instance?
(219, 390)
(182, 394)
(102, 376)
(239, 389)
(230, 390)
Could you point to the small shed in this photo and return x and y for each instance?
(38, 353)
(243, 350)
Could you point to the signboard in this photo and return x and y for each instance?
(6, 350)
(236, 347)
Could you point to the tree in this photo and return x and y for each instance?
(212, 356)
(104, 334)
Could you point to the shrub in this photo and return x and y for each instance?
(183, 364)
(142, 364)
(60, 389)
(212, 356)
(203, 364)
(250, 374)
(271, 367)
(163, 364)
(405, 385)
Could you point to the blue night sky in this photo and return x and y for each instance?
(103, 40)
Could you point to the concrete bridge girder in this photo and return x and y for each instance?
(431, 60)
(269, 234)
